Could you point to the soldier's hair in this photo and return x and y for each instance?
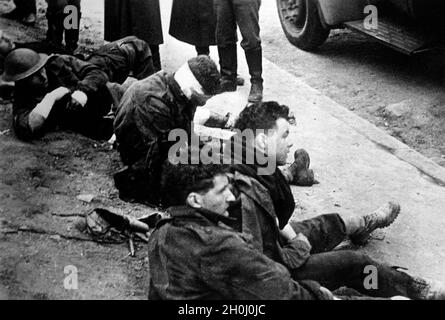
(261, 116)
(179, 180)
(206, 72)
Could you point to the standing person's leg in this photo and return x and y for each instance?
(54, 15)
(247, 18)
(26, 6)
(226, 40)
(72, 34)
(202, 50)
(25, 10)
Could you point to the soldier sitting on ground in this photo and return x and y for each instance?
(149, 110)
(64, 91)
(196, 255)
(266, 204)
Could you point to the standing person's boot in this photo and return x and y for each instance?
(228, 61)
(30, 19)
(255, 62)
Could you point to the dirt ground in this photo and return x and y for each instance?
(40, 182)
(39, 186)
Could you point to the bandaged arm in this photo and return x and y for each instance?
(40, 113)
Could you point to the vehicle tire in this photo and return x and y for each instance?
(301, 23)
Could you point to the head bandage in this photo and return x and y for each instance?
(187, 81)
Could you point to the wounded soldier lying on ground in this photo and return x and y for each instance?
(64, 91)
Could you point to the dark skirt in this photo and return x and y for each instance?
(140, 18)
(193, 22)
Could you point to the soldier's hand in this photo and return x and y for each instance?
(80, 98)
(73, 105)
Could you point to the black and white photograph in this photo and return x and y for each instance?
(222, 150)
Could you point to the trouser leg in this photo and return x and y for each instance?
(358, 271)
(202, 50)
(55, 28)
(72, 33)
(324, 232)
(226, 40)
(247, 18)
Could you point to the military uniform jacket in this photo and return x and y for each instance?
(195, 255)
(74, 74)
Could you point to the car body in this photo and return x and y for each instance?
(409, 26)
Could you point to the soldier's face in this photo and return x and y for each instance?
(38, 81)
(278, 143)
(218, 198)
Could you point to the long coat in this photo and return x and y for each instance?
(193, 22)
(140, 18)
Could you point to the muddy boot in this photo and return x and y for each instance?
(239, 81)
(428, 289)
(30, 19)
(360, 228)
(229, 64)
(255, 62)
(298, 173)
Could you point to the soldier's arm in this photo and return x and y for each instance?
(238, 271)
(92, 77)
(28, 121)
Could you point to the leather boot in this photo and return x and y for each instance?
(359, 228)
(229, 64)
(30, 19)
(298, 173)
(255, 62)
